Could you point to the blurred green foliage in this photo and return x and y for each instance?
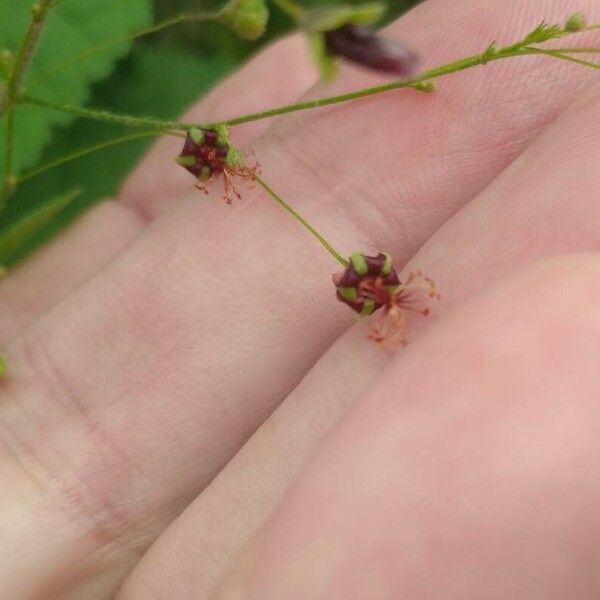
(161, 76)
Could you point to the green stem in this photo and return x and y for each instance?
(13, 88)
(27, 50)
(454, 67)
(9, 184)
(560, 55)
(371, 91)
(302, 221)
(85, 151)
(576, 50)
(10, 134)
(57, 68)
(289, 7)
(107, 116)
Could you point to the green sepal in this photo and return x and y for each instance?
(222, 135)
(359, 263)
(317, 21)
(324, 19)
(185, 161)
(197, 136)
(247, 18)
(387, 265)
(348, 293)
(326, 62)
(205, 173)
(2, 367)
(234, 158)
(368, 308)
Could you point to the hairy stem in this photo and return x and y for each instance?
(107, 116)
(302, 221)
(461, 65)
(9, 183)
(13, 88)
(415, 82)
(27, 50)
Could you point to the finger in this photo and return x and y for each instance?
(469, 470)
(64, 264)
(277, 75)
(101, 234)
(188, 307)
(532, 210)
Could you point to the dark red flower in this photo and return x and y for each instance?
(370, 283)
(208, 153)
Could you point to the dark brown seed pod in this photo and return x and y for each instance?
(362, 46)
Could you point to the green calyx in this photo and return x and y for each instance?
(318, 21)
(387, 265)
(185, 161)
(2, 367)
(205, 173)
(197, 136)
(323, 59)
(234, 158)
(359, 263)
(348, 293)
(368, 308)
(325, 19)
(222, 136)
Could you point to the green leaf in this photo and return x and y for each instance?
(14, 239)
(72, 28)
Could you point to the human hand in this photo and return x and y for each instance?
(462, 465)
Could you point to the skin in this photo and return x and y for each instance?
(462, 465)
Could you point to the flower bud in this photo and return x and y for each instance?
(360, 45)
(576, 22)
(248, 18)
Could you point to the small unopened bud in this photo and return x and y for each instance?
(37, 11)
(425, 86)
(362, 46)
(576, 22)
(248, 18)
